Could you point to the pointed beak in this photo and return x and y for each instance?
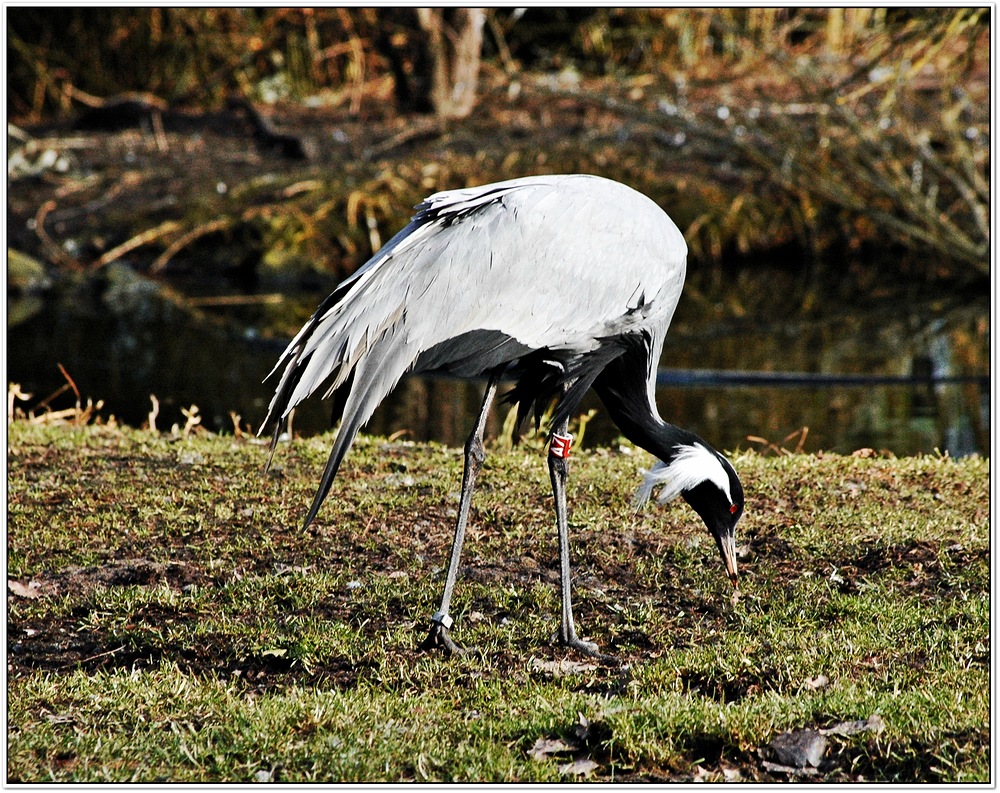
(727, 547)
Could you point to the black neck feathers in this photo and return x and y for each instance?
(622, 389)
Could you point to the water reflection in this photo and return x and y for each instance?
(134, 344)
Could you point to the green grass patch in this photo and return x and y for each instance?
(168, 619)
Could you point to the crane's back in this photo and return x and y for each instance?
(548, 260)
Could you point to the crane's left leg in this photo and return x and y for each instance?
(558, 473)
(441, 622)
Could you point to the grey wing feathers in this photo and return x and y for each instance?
(356, 343)
(368, 309)
(333, 348)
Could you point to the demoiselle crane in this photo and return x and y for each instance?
(560, 283)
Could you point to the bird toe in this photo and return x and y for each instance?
(438, 638)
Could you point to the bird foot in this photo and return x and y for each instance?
(574, 642)
(438, 638)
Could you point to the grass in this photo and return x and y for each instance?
(178, 625)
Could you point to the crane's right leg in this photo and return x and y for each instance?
(474, 455)
(558, 473)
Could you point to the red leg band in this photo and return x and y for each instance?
(560, 445)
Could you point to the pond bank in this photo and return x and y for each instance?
(122, 337)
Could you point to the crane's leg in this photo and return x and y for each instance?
(558, 472)
(474, 455)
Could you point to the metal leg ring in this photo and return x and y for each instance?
(443, 619)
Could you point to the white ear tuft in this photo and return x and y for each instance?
(650, 479)
(691, 466)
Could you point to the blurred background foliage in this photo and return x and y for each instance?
(184, 182)
(830, 127)
(198, 54)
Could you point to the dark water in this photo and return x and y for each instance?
(126, 343)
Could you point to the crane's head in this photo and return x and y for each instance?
(708, 482)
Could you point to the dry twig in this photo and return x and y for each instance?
(184, 240)
(165, 228)
(54, 250)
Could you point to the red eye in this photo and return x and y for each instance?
(732, 509)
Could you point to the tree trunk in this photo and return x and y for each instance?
(454, 42)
